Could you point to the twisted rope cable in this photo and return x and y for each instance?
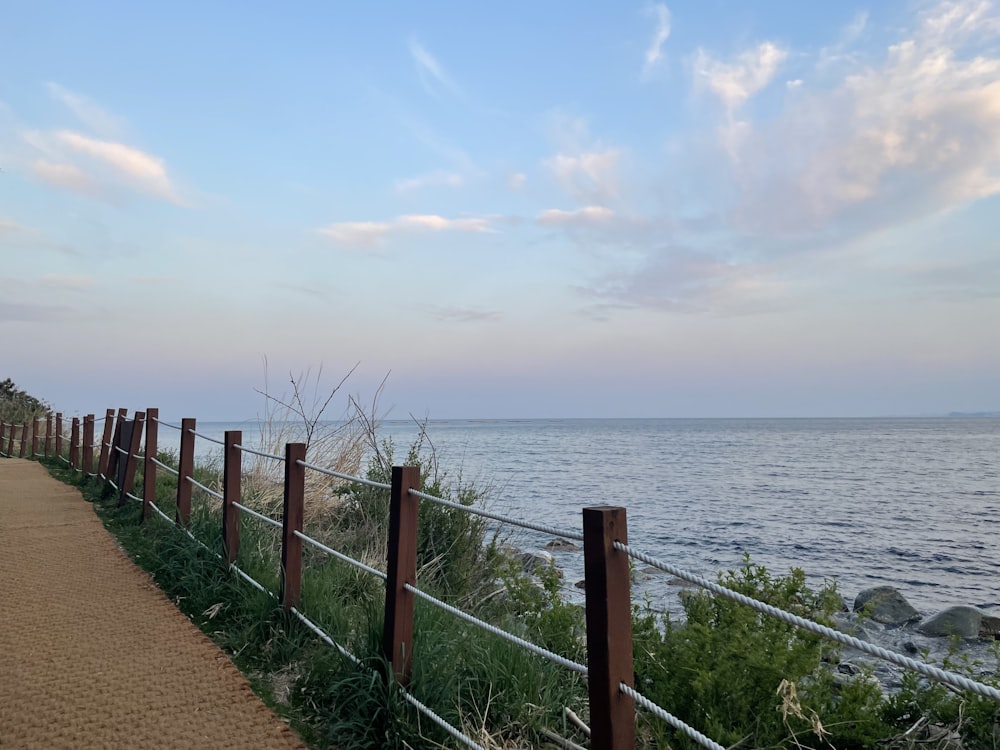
(200, 486)
(261, 516)
(340, 555)
(206, 437)
(527, 645)
(672, 720)
(544, 528)
(326, 638)
(259, 453)
(167, 424)
(162, 465)
(251, 580)
(348, 477)
(927, 670)
(467, 741)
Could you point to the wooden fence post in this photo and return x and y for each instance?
(128, 481)
(3, 429)
(24, 440)
(48, 434)
(291, 521)
(149, 466)
(609, 628)
(34, 436)
(10, 441)
(231, 474)
(59, 435)
(74, 449)
(109, 425)
(113, 455)
(88, 444)
(185, 469)
(401, 569)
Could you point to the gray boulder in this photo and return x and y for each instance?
(532, 561)
(989, 627)
(561, 545)
(963, 621)
(886, 605)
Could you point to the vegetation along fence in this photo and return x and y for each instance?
(613, 697)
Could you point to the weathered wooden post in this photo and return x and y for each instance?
(48, 434)
(401, 569)
(59, 433)
(88, 444)
(34, 436)
(24, 440)
(149, 465)
(231, 474)
(291, 521)
(128, 481)
(609, 628)
(74, 449)
(10, 440)
(109, 426)
(113, 455)
(185, 470)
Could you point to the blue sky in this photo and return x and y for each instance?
(518, 210)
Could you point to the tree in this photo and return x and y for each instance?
(17, 405)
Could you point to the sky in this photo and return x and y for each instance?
(508, 210)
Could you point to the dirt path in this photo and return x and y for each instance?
(92, 654)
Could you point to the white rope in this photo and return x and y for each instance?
(110, 481)
(130, 496)
(206, 437)
(121, 450)
(348, 477)
(340, 555)
(544, 528)
(63, 458)
(672, 720)
(165, 517)
(467, 741)
(259, 453)
(106, 445)
(261, 516)
(249, 579)
(928, 670)
(199, 485)
(162, 465)
(325, 638)
(527, 645)
(166, 424)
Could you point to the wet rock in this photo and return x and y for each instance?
(886, 605)
(962, 620)
(561, 545)
(532, 562)
(581, 584)
(990, 627)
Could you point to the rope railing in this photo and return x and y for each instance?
(348, 477)
(258, 453)
(167, 424)
(927, 670)
(164, 466)
(669, 718)
(340, 555)
(255, 514)
(527, 645)
(206, 437)
(544, 528)
(202, 487)
(467, 741)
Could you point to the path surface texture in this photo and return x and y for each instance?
(92, 654)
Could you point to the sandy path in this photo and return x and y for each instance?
(92, 654)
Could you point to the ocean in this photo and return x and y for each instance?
(910, 502)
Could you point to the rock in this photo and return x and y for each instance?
(532, 561)
(562, 545)
(886, 605)
(963, 621)
(581, 584)
(989, 627)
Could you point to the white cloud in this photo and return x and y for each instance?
(792, 85)
(655, 51)
(586, 216)
(88, 112)
(590, 177)
(432, 73)
(65, 175)
(9, 227)
(737, 81)
(439, 178)
(144, 171)
(517, 180)
(372, 233)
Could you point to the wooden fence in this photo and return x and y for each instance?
(607, 576)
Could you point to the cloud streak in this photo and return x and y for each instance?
(369, 234)
(654, 53)
(432, 74)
